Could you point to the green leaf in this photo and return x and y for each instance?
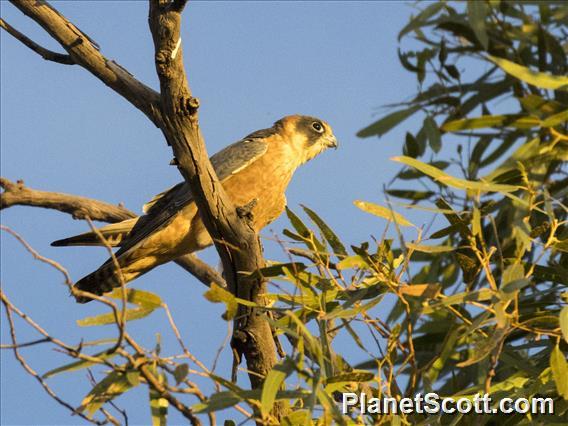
(477, 11)
(383, 212)
(342, 312)
(332, 239)
(411, 146)
(455, 299)
(556, 119)
(433, 133)
(218, 401)
(448, 180)
(564, 322)
(514, 272)
(358, 376)
(484, 347)
(144, 299)
(507, 120)
(559, 368)
(534, 78)
(78, 365)
(386, 123)
(181, 372)
(429, 249)
(158, 404)
(421, 19)
(297, 223)
(273, 383)
(305, 235)
(217, 294)
(109, 318)
(350, 262)
(415, 174)
(411, 195)
(297, 417)
(113, 385)
(562, 245)
(278, 270)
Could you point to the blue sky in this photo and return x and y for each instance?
(250, 63)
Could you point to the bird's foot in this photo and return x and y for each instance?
(245, 212)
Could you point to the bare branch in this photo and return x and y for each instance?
(252, 334)
(23, 345)
(46, 54)
(77, 206)
(82, 207)
(85, 53)
(31, 371)
(174, 111)
(200, 270)
(141, 364)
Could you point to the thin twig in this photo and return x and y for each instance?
(30, 371)
(46, 54)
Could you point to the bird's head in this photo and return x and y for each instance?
(308, 136)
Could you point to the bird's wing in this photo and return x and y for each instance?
(162, 209)
(226, 162)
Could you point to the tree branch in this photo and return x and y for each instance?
(46, 54)
(84, 52)
(174, 111)
(200, 270)
(77, 206)
(82, 207)
(237, 243)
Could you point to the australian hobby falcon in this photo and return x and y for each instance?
(258, 167)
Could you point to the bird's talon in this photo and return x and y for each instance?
(245, 212)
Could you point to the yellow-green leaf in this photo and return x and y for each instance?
(507, 120)
(107, 389)
(386, 123)
(383, 212)
(556, 119)
(559, 368)
(217, 401)
(158, 404)
(449, 180)
(477, 12)
(141, 298)
(429, 249)
(330, 236)
(359, 376)
(470, 296)
(538, 79)
(109, 318)
(297, 417)
(354, 261)
(79, 364)
(273, 383)
(423, 291)
(564, 322)
(218, 294)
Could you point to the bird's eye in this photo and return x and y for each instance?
(317, 127)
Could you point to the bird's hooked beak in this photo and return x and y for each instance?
(331, 141)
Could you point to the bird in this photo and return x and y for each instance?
(255, 171)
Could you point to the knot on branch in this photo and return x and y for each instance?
(10, 186)
(245, 212)
(188, 105)
(11, 191)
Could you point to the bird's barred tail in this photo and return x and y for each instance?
(98, 282)
(101, 281)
